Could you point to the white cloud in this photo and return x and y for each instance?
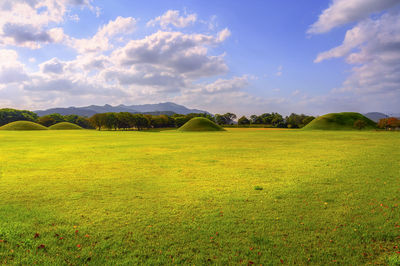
(27, 23)
(145, 76)
(53, 66)
(374, 47)
(342, 12)
(172, 17)
(11, 70)
(174, 52)
(223, 35)
(225, 85)
(101, 40)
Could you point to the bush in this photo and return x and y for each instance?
(360, 124)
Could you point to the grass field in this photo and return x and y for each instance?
(241, 196)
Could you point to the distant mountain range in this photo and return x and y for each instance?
(159, 108)
(375, 116)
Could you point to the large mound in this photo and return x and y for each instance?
(64, 126)
(340, 121)
(23, 125)
(200, 124)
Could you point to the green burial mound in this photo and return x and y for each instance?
(200, 124)
(23, 125)
(341, 121)
(64, 126)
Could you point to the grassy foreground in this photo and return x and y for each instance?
(241, 196)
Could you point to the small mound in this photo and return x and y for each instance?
(340, 121)
(64, 126)
(23, 125)
(200, 124)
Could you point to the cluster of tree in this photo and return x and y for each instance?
(49, 120)
(8, 115)
(226, 119)
(126, 120)
(389, 123)
(277, 120)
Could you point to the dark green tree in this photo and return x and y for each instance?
(98, 120)
(8, 115)
(46, 120)
(229, 118)
(111, 121)
(243, 121)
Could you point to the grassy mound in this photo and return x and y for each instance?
(64, 126)
(200, 124)
(23, 125)
(340, 121)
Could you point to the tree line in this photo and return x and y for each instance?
(126, 120)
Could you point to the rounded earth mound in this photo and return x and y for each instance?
(64, 126)
(200, 124)
(23, 125)
(340, 121)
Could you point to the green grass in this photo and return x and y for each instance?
(64, 126)
(339, 121)
(200, 124)
(23, 125)
(90, 197)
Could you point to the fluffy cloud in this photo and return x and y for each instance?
(101, 40)
(27, 22)
(145, 76)
(225, 85)
(223, 35)
(176, 52)
(373, 47)
(11, 70)
(53, 66)
(345, 11)
(172, 17)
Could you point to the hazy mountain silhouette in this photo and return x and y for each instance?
(159, 108)
(375, 116)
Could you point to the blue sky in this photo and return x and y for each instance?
(312, 57)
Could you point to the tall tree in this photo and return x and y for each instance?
(98, 120)
(243, 121)
(46, 120)
(229, 117)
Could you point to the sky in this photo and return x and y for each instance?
(246, 57)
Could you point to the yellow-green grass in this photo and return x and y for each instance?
(64, 126)
(200, 124)
(23, 125)
(340, 121)
(133, 197)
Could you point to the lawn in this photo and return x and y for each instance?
(241, 196)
